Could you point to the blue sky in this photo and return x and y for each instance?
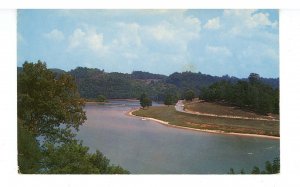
(216, 42)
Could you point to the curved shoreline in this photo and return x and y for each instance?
(129, 113)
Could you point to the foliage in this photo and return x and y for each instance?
(92, 82)
(73, 158)
(29, 153)
(50, 110)
(168, 100)
(189, 95)
(101, 98)
(253, 94)
(145, 101)
(270, 168)
(46, 102)
(146, 75)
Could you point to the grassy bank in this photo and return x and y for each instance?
(169, 114)
(225, 110)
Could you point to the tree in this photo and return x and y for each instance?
(252, 94)
(46, 102)
(189, 95)
(101, 98)
(29, 153)
(73, 158)
(145, 101)
(255, 170)
(254, 78)
(168, 100)
(49, 112)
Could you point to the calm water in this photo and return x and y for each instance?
(147, 147)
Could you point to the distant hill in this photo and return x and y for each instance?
(58, 71)
(146, 75)
(92, 82)
(54, 70)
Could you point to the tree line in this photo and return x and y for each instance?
(252, 94)
(92, 82)
(270, 168)
(50, 112)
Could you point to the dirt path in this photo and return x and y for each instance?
(180, 108)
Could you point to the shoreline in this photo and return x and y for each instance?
(129, 113)
(107, 101)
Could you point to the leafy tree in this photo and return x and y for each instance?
(145, 101)
(46, 102)
(231, 171)
(168, 100)
(101, 98)
(189, 95)
(29, 153)
(73, 158)
(255, 170)
(254, 78)
(50, 109)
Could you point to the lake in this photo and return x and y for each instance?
(147, 147)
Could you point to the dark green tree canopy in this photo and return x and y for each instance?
(170, 98)
(50, 108)
(254, 78)
(101, 98)
(189, 95)
(252, 94)
(45, 102)
(145, 101)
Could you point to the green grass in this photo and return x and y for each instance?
(174, 117)
(222, 109)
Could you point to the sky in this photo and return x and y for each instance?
(215, 42)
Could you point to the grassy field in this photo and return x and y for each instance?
(169, 114)
(222, 109)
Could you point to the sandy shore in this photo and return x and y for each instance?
(129, 113)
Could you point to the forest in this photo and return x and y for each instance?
(92, 82)
(252, 94)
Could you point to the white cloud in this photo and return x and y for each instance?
(213, 23)
(170, 35)
(162, 32)
(87, 39)
(249, 18)
(259, 19)
(128, 35)
(218, 50)
(55, 35)
(76, 38)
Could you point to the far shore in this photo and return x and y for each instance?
(129, 113)
(97, 102)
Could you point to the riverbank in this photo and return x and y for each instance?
(178, 120)
(203, 108)
(107, 101)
